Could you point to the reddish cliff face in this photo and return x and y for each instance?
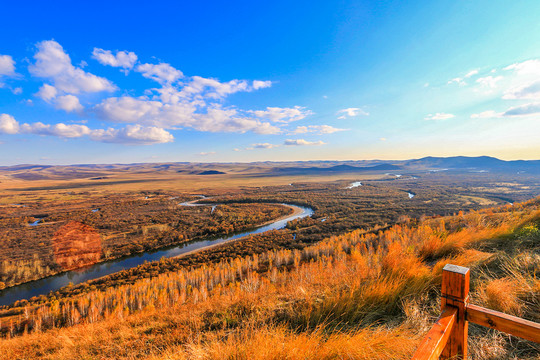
(76, 245)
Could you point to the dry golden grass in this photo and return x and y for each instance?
(355, 296)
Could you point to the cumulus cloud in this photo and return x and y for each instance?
(283, 115)
(207, 88)
(179, 102)
(301, 142)
(489, 114)
(122, 59)
(52, 63)
(182, 114)
(8, 124)
(207, 153)
(523, 110)
(7, 66)
(47, 92)
(320, 129)
(351, 112)
(133, 135)
(130, 110)
(59, 130)
(528, 67)
(163, 73)
(68, 103)
(229, 120)
(439, 116)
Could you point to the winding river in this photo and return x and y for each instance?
(55, 282)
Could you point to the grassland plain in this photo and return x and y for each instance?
(136, 208)
(358, 295)
(69, 235)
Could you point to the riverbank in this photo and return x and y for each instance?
(103, 270)
(296, 211)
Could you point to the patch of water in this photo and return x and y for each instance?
(354, 184)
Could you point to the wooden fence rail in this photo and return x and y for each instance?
(447, 339)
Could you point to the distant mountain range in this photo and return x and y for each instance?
(335, 169)
(478, 164)
(456, 163)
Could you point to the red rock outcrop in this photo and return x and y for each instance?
(76, 245)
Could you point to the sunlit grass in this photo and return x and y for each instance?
(354, 296)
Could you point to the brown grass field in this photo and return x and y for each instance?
(354, 296)
(362, 284)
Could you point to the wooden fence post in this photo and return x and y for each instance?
(455, 293)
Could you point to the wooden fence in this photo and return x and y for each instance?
(447, 339)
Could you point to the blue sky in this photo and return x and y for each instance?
(245, 81)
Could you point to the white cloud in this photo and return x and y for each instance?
(523, 110)
(439, 116)
(283, 115)
(133, 135)
(182, 114)
(528, 67)
(207, 153)
(7, 66)
(229, 120)
(163, 73)
(489, 81)
(461, 80)
(264, 146)
(8, 124)
(214, 89)
(68, 103)
(320, 129)
(351, 112)
(524, 80)
(489, 114)
(530, 90)
(54, 64)
(301, 142)
(180, 102)
(258, 84)
(123, 59)
(47, 92)
(17, 90)
(130, 110)
(59, 130)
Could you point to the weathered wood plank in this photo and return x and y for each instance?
(436, 339)
(509, 324)
(455, 293)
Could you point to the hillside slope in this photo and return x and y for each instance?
(354, 296)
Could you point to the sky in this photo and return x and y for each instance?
(240, 81)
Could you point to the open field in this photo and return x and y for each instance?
(125, 209)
